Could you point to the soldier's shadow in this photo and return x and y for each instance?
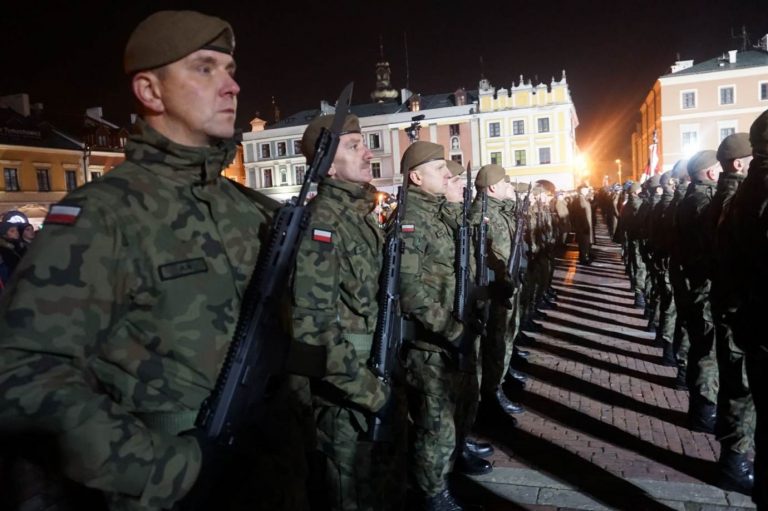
(582, 302)
(579, 313)
(600, 347)
(621, 292)
(641, 338)
(556, 461)
(592, 297)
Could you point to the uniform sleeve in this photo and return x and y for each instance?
(68, 293)
(316, 321)
(419, 289)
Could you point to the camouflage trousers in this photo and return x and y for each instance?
(585, 246)
(735, 428)
(667, 312)
(757, 362)
(702, 378)
(680, 293)
(431, 386)
(467, 396)
(637, 270)
(496, 346)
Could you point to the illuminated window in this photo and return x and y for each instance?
(70, 177)
(252, 178)
(282, 149)
(457, 158)
(688, 99)
(298, 172)
(724, 132)
(249, 153)
(727, 95)
(43, 181)
(494, 129)
(376, 169)
(545, 157)
(453, 130)
(95, 175)
(543, 125)
(496, 158)
(297, 146)
(11, 177)
(520, 158)
(283, 176)
(267, 178)
(265, 151)
(518, 127)
(374, 141)
(764, 91)
(689, 138)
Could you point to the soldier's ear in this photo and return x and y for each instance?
(148, 91)
(332, 170)
(415, 177)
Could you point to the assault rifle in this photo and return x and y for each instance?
(389, 324)
(516, 255)
(260, 347)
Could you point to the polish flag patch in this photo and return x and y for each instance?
(408, 228)
(322, 236)
(63, 215)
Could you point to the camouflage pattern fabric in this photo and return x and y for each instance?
(669, 239)
(582, 226)
(427, 291)
(126, 304)
(637, 271)
(660, 262)
(335, 306)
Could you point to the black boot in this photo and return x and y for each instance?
(506, 404)
(517, 377)
(702, 415)
(472, 465)
(680, 380)
(443, 501)
(668, 355)
(481, 449)
(735, 472)
(522, 355)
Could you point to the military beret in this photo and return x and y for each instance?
(489, 175)
(455, 168)
(167, 36)
(654, 181)
(758, 135)
(735, 145)
(679, 169)
(421, 152)
(635, 188)
(521, 187)
(701, 161)
(664, 178)
(549, 186)
(315, 128)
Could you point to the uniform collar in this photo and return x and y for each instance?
(193, 165)
(360, 196)
(424, 200)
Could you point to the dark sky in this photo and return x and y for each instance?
(68, 55)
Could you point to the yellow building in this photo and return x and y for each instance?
(530, 131)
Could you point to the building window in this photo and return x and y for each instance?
(70, 177)
(458, 159)
(267, 174)
(520, 158)
(496, 158)
(688, 99)
(282, 149)
(123, 141)
(298, 172)
(283, 176)
(265, 151)
(252, 178)
(455, 144)
(727, 95)
(374, 141)
(376, 169)
(11, 177)
(543, 125)
(764, 91)
(249, 153)
(518, 127)
(545, 157)
(95, 175)
(494, 129)
(297, 146)
(724, 132)
(43, 181)
(690, 141)
(454, 130)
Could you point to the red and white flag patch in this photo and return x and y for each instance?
(322, 236)
(63, 215)
(408, 228)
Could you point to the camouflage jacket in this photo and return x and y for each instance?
(656, 231)
(334, 291)
(125, 305)
(428, 276)
(693, 233)
(501, 233)
(628, 215)
(582, 217)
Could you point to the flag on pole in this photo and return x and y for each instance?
(653, 157)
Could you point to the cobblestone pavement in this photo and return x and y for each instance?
(604, 428)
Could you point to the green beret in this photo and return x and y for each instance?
(758, 135)
(168, 36)
(635, 188)
(680, 169)
(489, 175)
(664, 178)
(455, 168)
(654, 181)
(735, 145)
(315, 128)
(701, 161)
(421, 152)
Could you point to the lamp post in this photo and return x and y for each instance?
(618, 164)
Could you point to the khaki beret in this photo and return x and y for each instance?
(654, 181)
(679, 169)
(489, 175)
(635, 188)
(315, 128)
(421, 152)
(758, 135)
(664, 178)
(455, 168)
(167, 36)
(735, 145)
(701, 161)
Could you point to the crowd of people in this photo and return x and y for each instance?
(122, 312)
(16, 235)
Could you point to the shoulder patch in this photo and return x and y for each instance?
(408, 228)
(62, 214)
(322, 236)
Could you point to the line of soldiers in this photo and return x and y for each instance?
(692, 243)
(118, 320)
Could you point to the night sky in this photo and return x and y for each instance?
(68, 55)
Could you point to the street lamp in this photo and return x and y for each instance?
(618, 164)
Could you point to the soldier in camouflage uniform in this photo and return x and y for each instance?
(735, 428)
(698, 265)
(123, 309)
(427, 291)
(637, 270)
(582, 225)
(534, 239)
(747, 220)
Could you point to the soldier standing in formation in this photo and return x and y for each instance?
(582, 225)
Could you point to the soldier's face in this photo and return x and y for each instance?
(352, 162)
(198, 98)
(455, 190)
(12, 233)
(432, 177)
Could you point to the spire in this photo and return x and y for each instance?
(384, 91)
